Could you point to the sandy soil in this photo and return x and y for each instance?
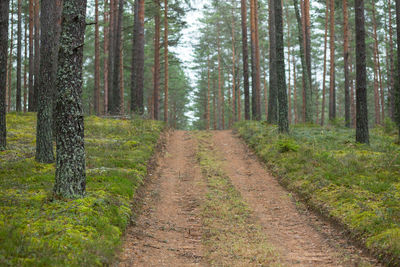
(168, 233)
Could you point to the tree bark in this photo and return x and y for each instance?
(257, 75)
(117, 100)
(208, 94)
(19, 58)
(137, 78)
(219, 102)
(397, 105)
(96, 93)
(106, 50)
(25, 60)
(37, 56)
(166, 78)
(307, 79)
(4, 10)
(346, 64)
(70, 167)
(111, 57)
(324, 75)
(332, 90)
(157, 24)
(376, 78)
(50, 24)
(273, 97)
(9, 70)
(362, 131)
(289, 73)
(296, 119)
(245, 54)
(392, 89)
(31, 58)
(234, 117)
(283, 123)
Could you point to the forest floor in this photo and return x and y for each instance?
(210, 201)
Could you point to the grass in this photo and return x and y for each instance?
(36, 230)
(231, 237)
(356, 185)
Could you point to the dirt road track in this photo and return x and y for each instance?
(169, 231)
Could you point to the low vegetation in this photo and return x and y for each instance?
(36, 229)
(231, 237)
(356, 185)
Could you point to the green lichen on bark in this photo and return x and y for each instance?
(70, 164)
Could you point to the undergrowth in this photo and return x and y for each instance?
(231, 237)
(356, 185)
(36, 230)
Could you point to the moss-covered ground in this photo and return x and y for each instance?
(37, 230)
(356, 185)
(231, 235)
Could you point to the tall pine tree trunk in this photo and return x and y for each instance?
(362, 131)
(31, 58)
(37, 55)
(50, 19)
(137, 78)
(246, 85)
(96, 93)
(296, 119)
(332, 90)
(10, 57)
(117, 101)
(283, 122)
(273, 95)
(208, 94)
(19, 58)
(157, 25)
(166, 78)
(392, 89)
(219, 102)
(233, 67)
(70, 179)
(376, 75)
(25, 61)
(397, 94)
(346, 64)
(324, 73)
(307, 86)
(111, 56)
(257, 75)
(4, 9)
(106, 50)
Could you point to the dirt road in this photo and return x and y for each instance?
(169, 231)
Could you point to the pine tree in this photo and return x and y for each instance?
(19, 58)
(245, 54)
(283, 122)
(70, 179)
(273, 94)
(362, 131)
(4, 9)
(51, 12)
(346, 64)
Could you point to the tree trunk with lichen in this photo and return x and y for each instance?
(4, 8)
(362, 131)
(283, 122)
(51, 12)
(70, 179)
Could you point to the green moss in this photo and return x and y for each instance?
(358, 185)
(36, 230)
